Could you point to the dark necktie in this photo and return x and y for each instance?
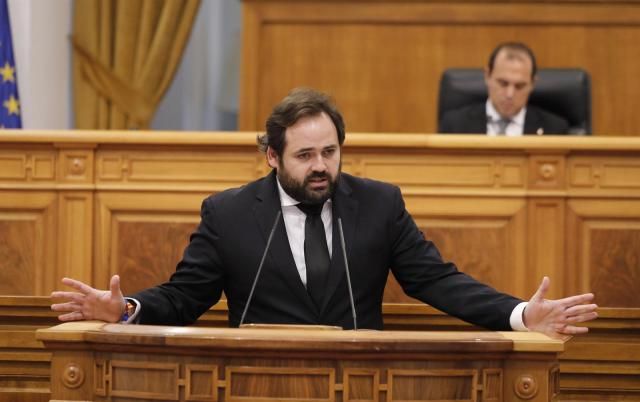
(316, 253)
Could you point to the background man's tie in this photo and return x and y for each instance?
(502, 126)
(316, 253)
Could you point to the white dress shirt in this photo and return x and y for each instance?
(515, 128)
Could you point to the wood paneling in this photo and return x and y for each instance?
(485, 236)
(507, 210)
(142, 245)
(382, 60)
(601, 366)
(25, 366)
(287, 364)
(142, 236)
(27, 242)
(606, 249)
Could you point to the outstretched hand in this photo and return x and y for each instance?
(87, 303)
(557, 318)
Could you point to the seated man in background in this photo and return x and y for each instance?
(510, 77)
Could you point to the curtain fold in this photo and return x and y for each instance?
(126, 53)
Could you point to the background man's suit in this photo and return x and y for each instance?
(225, 251)
(472, 119)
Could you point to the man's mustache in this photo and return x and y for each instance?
(318, 175)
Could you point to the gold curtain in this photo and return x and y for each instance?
(126, 53)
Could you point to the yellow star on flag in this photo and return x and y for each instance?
(12, 105)
(7, 73)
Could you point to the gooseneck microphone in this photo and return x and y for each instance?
(346, 269)
(264, 256)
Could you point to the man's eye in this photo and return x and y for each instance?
(303, 156)
(328, 152)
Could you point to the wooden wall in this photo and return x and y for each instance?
(382, 59)
(92, 204)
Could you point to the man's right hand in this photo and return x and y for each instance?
(87, 303)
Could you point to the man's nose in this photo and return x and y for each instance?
(510, 91)
(319, 164)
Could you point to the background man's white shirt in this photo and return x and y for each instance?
(515, 127)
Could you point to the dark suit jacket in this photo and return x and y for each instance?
(472, 119)
(225, 251)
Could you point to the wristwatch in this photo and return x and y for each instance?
(129, 309)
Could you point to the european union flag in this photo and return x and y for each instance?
(9, 101)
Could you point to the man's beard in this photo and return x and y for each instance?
(300, 191)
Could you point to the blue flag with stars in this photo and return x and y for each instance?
(9, 101)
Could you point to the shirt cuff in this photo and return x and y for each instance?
(131, 317)
(517, 318)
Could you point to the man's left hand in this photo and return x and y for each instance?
(557, 318)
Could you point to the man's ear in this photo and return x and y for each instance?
(272, 158)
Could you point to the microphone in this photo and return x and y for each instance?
(346, 270)
(264, 256)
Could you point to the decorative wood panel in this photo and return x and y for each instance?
(75, 235)
(246, 384)
(446, 385)
(492, 385)
(606, 250)
(483, 236)
(604, 176)
(163, 376)
(146, 252)
(546, 245)
(547, 172)
(29, 165)
(433, 170)
(164, 168)
(27, 243)
(142, 236)
(201, 382)
(76, 166)
(524, 379)
(360, 385)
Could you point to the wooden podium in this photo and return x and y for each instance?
(94, 361)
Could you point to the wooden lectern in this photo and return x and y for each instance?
(94, 361)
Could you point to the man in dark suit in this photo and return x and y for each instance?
(510, 77)
(302, 206)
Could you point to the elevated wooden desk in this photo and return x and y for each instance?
(111, 362)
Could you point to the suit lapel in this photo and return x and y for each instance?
(477, 122)
(532, 122)
(280, 256)
(346, 208)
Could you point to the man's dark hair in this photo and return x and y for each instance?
(299, 103)
(518, 47)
